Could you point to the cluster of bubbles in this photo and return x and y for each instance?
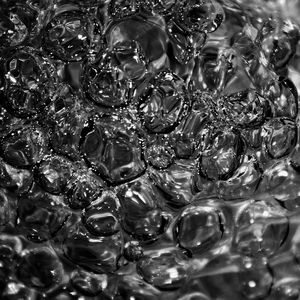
(149, 150)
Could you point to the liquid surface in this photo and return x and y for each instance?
(149, 150)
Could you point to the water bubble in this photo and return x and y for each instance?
(101, 217)
(163, 7)
(184, 44)
(260, 229)
(286, 274)
(53, 174)
(106, 83)
(159, 154)
(154, 145)
(12, 244)
(40, 268)
(63, 293)
(10, 249)
(166, 270)
(215, 69)
(286, 100)
(41, 216)
(198, 229)
(119, 9)
(175, 182)
(98, 254)
(89, 284)
(25, 146)
(102, 224)
(113, 151)
(131, 59)
(142, 216)
(280, 45)
(133, 286)
(222, 157)
(280, 180)
(133, 251)
(6, 120)
(246, 47)
(245, 109)
(163, 105)
(15, 179)
(24, 73)
(190, 132)
(7, 208)
(17, 98)
(251, 279)
(67, 129)
(66, 36)
(280, 137)
(199, 15)
(149, 33)
(83, 187)
(253, 137)
(15, 290)
(17, 23)
(244, 182)
(285, 292)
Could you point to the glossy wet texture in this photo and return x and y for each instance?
(149, 149)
